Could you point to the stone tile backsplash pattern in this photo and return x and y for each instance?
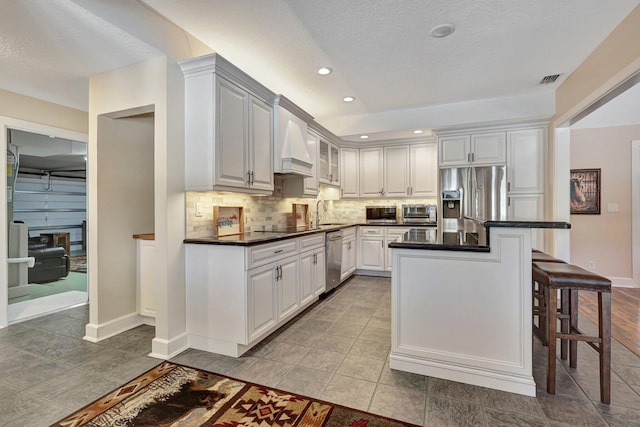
(268, 212)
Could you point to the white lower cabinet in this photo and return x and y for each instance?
(145, 281)
(238, 295)
(348, 264)
(371, 248)
(312, 275)
(528, 207)
(391, 235)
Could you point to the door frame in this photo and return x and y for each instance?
(635, 213)
(7, 123)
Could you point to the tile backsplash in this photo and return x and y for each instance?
(268, 212)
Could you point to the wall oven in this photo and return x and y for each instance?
(381, 215)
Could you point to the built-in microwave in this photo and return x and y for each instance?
(381, 215)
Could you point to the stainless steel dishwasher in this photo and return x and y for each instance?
(334, 258)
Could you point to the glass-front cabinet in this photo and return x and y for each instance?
(328, 163)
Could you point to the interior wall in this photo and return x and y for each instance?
(125, 207)
(606, 238)
(37, 111)
(154, 85)
(612, 62)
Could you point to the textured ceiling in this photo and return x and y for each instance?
(50, 48)
(380, 51)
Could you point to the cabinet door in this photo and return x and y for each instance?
(307, 275)
(320, 281)
(344, 265)
(371, 253)
(528, 207)
(334, 164)
(454, 150)
(310, 185)
(288, 297)
(423, 170)
(262, 301)
(146, 268)
(351, 262)
(371, 172)
(231, 136)
(323, 161)
(349, 176)
(396, 171)
(488, 148)
(525, 161)
(260, 144)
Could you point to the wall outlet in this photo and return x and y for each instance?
(198, 208)
(612, 207)
(591, 265)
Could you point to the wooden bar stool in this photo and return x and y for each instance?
(538, 300)
(570, 279)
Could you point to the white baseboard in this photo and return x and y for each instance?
(624, 282)
(166, 349)
(96, 333)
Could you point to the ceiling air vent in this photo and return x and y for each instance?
(547, 80)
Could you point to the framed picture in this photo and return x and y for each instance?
(585, 191)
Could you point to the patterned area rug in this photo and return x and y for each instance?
(78, 263)
(176, 395)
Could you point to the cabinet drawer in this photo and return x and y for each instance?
(310, 242)
(371, 231)
(264, 254)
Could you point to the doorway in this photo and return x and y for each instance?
(46, 223)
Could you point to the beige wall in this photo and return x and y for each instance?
(616, 59)
(154, 85)
(605, 238)
(42, 112)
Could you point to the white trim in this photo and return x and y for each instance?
(635, 213)
(7, 123)
(166, 349)
(96, 333)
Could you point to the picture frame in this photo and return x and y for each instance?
(585, 191)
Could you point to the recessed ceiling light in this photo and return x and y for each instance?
(443, 30)
(418, 131)
(323, 71)
(364, 136)
(348, 99)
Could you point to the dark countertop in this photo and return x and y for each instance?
(260, 237)
(455, 241)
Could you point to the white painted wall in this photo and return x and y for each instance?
(154, 85)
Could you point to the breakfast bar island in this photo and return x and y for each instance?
(462, 312)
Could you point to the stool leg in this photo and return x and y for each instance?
(551, 303)
(565, 309)
(573, 344)
(604, 326)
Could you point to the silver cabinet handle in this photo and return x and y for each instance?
(249, 178)
(253, 173)
(508, 186)
(473, 157)
(408, 190)
(382, 243)
(278, 251)
(468, 157)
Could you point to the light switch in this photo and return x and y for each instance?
(612, 207)
(198, 208)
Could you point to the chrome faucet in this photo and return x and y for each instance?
(318, 211)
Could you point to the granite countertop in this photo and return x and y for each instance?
(433, 240)
(259, 237)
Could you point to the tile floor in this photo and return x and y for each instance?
(337, 351)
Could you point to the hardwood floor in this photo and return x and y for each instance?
(625, 314)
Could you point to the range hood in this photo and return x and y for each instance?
(291, 152)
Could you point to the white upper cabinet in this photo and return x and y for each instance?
(371, 172)
(349, 176)
(474, 149)
(423, 170)
(396, 171)
(328, 163)
(526, 161)
(228, 128)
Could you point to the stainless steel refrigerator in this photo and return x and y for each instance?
(471, 192)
